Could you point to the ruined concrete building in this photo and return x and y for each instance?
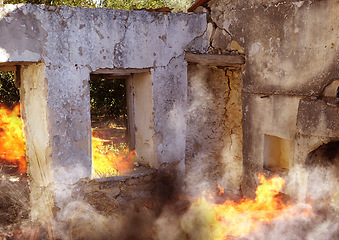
(219, 95)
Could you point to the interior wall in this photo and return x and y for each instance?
(144, 119)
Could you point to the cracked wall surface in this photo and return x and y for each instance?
(73, 42)
(214, 128)
(292, 52)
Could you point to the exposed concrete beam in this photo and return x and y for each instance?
(215, 60)
(118, 72)
(109, 76)
(108, 73)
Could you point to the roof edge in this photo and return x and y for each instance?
(197, 4)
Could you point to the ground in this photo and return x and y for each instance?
(109, 129)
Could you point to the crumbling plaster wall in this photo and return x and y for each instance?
(71, 43)
(33, 98)
(292, 51)
(214, 128)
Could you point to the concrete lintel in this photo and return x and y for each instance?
(109, 76)
(215, 59)
(121, 72)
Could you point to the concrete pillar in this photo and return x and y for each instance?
(33, 93)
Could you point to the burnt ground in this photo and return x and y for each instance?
(14, 201)
(109, 129)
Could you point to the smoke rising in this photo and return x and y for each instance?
(170, 215)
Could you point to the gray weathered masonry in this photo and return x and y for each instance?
(290, 108)
(58, 49)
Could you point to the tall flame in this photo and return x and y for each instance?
(108, 162)
(235, 220)
(12, 142)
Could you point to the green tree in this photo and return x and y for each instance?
(177, 5)
(9, 94)
(75, 3)
(108, 98)
(130, 4)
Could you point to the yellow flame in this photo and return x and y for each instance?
(107, 162)
(233, 220)
(12, 141)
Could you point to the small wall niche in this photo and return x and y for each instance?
(277, 152)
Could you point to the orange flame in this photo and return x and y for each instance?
(232, 220)
(12, 142)
(107, 163)
(221, 190)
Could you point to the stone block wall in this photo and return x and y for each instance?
(112, 195)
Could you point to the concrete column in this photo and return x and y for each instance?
(33, 93)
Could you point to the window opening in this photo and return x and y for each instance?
(112, 153)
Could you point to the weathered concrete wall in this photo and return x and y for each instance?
(292, 51)
(317, 124)
(73, 42)
(214, 128)
(290, 46)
